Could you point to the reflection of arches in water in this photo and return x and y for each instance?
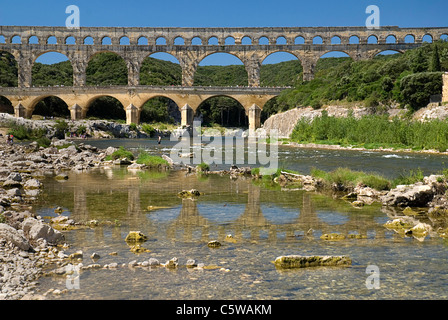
(332, 218)
(277, 215)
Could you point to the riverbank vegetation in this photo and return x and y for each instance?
(373, 131)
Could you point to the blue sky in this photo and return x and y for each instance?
(228, 13)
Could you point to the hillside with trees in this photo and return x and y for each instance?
(407, 79)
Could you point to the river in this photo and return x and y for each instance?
(264, 222)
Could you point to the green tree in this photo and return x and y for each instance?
(416, 89)
(419, 62)
(435, 60)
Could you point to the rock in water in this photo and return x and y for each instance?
(136, 236)
(297, 261)
(416, 195)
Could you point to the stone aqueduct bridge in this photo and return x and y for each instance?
(189, 46)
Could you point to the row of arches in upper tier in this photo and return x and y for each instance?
(214, 40)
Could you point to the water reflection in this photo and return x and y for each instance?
(241, 208)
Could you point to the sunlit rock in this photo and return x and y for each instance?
(297, 261)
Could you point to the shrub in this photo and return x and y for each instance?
(150, 160)
(203, 167)
(120, 154)
(411, 177)
(133, 127)
(148, 129)
(416, 89)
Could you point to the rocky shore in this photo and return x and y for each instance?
(31, 248)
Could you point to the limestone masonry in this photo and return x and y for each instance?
(189, 46)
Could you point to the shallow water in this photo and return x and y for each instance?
(265, 222)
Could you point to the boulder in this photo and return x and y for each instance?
(136, 236)
(14, 236)
(32, 184)
(297, 261)
(193, 193)
(416, 195)
(10, 184)
(36, 229)
(214, 244)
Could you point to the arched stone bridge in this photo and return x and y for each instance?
(191, 45)
(132, 98)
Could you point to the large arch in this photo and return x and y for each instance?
(6, 105)
(52, 68)
(221, 69)
(106, 68)
(161, 69)
(8, 70)
(222, 110)
(50, 106)
(160, 109)
(105, 107)
(280, 68)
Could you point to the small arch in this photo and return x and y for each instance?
(353, 40)
(106, 41)
(196, 41)
(299, 40)
(179, 41)
(2, 39)
(52, 40)
(318, 40)
(409, 39)
(391, 39)
(281, 41)
(427, 38)
(263, 41)
(142, 41)
(89, 41)
(213, 41)
(16, 40)
(230, 41)
(444, 37)
(372, 39)
(33, 40)
(70, 40)
(124, 41)
(106, 107)
(336, 40)
(246, 40)
(160, 41)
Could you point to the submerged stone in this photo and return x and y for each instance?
(136, 236)
(214, 244)
(193, 193)
(332, 236)
(297, 261)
